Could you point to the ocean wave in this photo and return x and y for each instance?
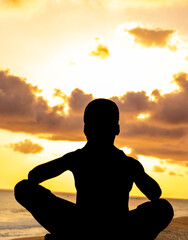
(19, 233)
(19, 225)
(18, 210)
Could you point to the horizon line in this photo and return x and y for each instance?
(178, 198)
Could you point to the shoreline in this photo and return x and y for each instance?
(177, 229)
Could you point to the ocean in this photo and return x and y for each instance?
(16, 222)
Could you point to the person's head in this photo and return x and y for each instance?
(101, 119)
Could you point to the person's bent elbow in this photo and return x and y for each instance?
(155, 194)
(20, 191)
(33, 177)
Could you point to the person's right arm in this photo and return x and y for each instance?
(50, 169)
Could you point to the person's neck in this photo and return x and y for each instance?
(98, 146)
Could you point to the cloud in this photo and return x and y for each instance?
(22, 111)
(172, 173)
(170, 153)
(152, 37)
(172, 108)
(150, 131)
(17, 97)
(77, 100)
(162, 134)
(101, 51)
(12, 2)
(26, 147)
(134, 103)
(17, 3)
(21, 5)
(158, 169)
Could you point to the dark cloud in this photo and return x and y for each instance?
(101, 51)
(26, 147)
(77, 100)
(134, 103)
(17, 97)
(171, 153)
(152, 37)
(148, 131)
(22, 111)
(172, 108)
(162, 134)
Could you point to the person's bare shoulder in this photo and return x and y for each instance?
(133, 165)
(72, 158)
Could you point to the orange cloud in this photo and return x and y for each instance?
(77, 100)
(101, 51)
(18, 5)
(172, 108)
(134, 103)
(172, 173)
(22, 111)
(152, 37)
(26, 147)
(163, 134)
(158, 169)
(13, 2)
(172, 153)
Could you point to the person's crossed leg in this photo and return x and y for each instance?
(149, 219)
(55, 214)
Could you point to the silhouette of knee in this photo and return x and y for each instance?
(21, 191)
(165, 211)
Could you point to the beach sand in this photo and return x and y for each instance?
(177, 230)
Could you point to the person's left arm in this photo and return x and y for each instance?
(50, 169)
(147, 185)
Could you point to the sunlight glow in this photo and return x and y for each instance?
(143, 116)
(127, 66)
(126, 150)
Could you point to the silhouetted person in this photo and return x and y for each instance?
(104, 176)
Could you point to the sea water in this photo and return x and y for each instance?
(17, 222)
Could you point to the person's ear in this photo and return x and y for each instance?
(85, 130)
(117, 130)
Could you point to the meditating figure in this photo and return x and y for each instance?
(104, 177)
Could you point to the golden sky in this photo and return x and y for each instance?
(56, 56)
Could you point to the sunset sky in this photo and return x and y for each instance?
(57, 55)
